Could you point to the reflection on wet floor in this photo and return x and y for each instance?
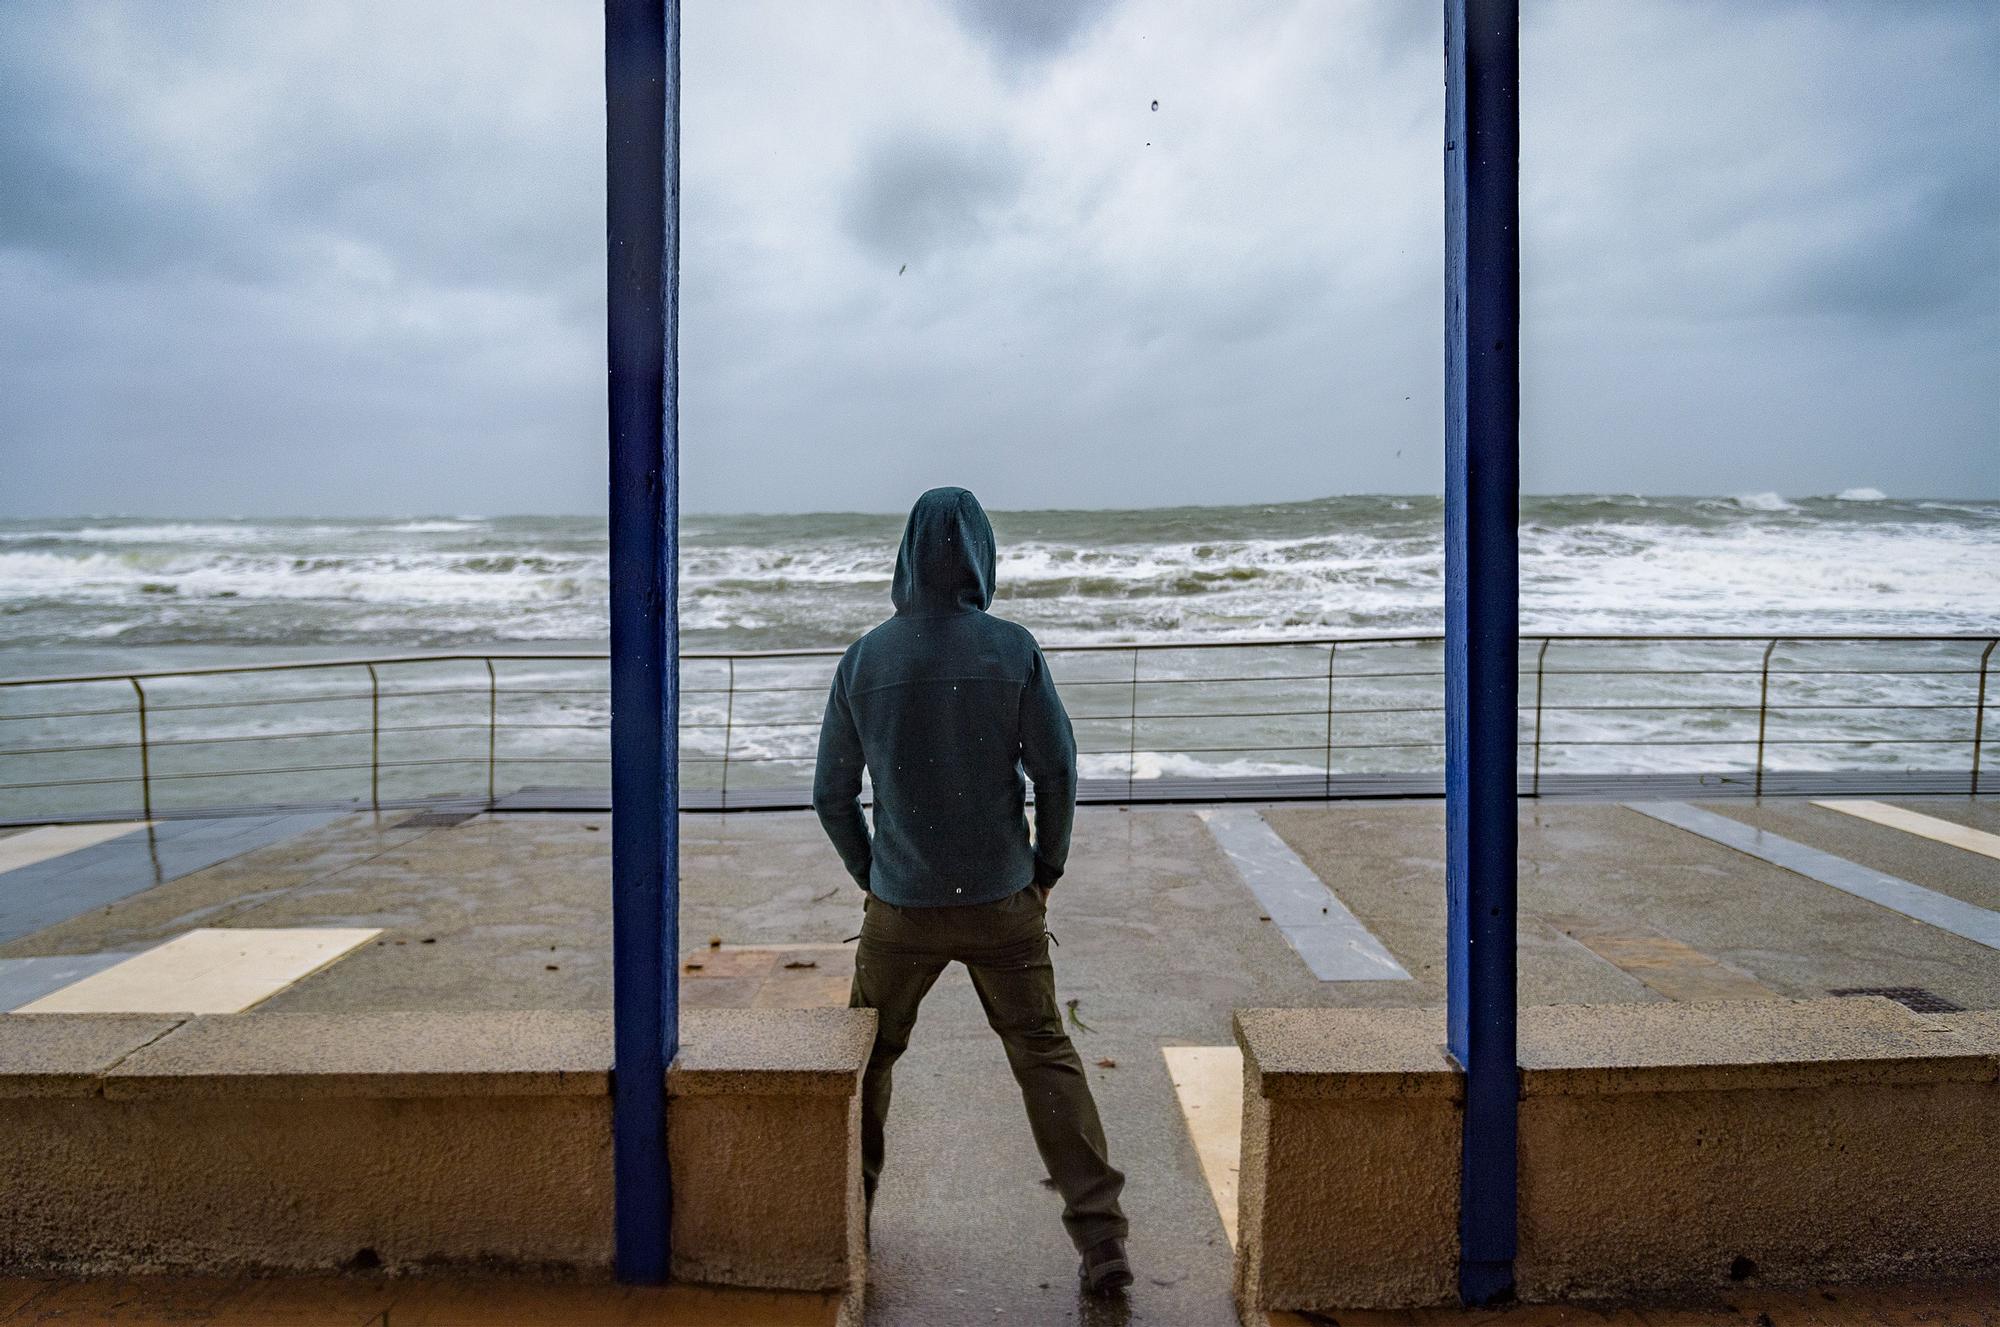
(28, 846)
(1981, 925)
(1676, 970)
(767, 976)
(99, 871)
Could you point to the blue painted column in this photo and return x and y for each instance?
(642, 207)
(1482, 602)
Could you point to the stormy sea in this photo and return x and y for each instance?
(104, 594)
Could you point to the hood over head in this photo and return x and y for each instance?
(946, 562)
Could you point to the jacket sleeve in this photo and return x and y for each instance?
(1048, 754)
(837, 783)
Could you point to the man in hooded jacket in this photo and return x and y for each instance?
(946, 706)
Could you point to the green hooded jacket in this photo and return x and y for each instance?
(948, 708)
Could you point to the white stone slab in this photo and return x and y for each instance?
(210, 971)
(1208, 1082)
(25, 979)
(38, 845)
(1916, 822)
(1315, 923)
(1981, 925)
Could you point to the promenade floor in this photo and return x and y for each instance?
(1162, 933)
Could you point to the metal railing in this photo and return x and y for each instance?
(1318, 716)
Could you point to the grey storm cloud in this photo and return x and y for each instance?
(1928, 254)
(1024, 30)
(347, 255)
(209, 161)
(915, 196)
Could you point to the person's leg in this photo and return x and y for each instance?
(893, 970)
(1017, 988)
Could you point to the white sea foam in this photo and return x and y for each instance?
(1175, 764)
(1860, 495)
(440, 580)
(195, 534)
(1588, 563)
(1763, 502)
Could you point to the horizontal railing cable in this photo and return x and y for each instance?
(1869, 694)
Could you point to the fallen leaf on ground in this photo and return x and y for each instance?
(803, 963)
(715, 941)
(694, 967)
(1107, 1063)
(1074, 1020)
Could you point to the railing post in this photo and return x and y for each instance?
(1763, 709)
(1979, 714)
(1330, 652)
(1540, 655)
(374, 739)
(492, 725)
(145, 753)
(728, 730)
(1132, 729)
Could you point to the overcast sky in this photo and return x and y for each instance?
(309, 257)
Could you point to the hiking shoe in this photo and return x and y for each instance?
(1104, 1269)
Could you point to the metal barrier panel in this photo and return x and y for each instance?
(1317, 717)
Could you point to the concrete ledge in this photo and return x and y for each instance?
(303, 1142)
(804, 1052)
(764, 1138)
(402, 1055)
(1664, 1149)
(1819, 1141)
(1976, 1030)
(67, 1055)
(1348, 1187)
(1594, 1050)
(1348, 1053)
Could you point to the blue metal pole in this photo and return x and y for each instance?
(642, 206)
(1482, 601)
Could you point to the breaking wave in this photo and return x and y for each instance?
(1762, 502)
(1609, 562)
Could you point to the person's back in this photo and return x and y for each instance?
(947, 708)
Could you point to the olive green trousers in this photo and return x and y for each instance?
(1005, 947)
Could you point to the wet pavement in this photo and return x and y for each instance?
(1159, 940)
